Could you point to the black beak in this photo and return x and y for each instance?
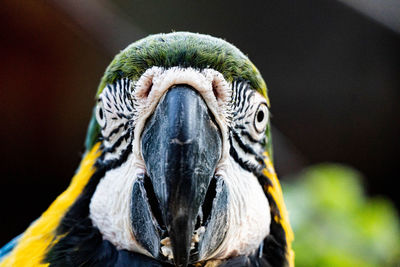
(181, 146)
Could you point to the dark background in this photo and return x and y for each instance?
(332, 73)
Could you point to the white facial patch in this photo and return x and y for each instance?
(110, 206)
(248, 212)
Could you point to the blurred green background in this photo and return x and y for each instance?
(332, 69)
(336, 224)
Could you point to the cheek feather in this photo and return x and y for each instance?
(110, 206)
(249, 214)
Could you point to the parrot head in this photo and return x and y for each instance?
(182, 172)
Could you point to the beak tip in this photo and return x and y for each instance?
(181, 240)
(181, 261)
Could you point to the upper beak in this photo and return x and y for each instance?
(181, 146)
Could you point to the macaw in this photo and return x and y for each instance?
(177, 171)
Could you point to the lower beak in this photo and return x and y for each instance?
(181, 146)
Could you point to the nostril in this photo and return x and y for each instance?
(215, 89)
(147, 92)
(221, 89)
(145, 84)
(145, 89)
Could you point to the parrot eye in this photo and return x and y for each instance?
(100, 116)
(261, 118)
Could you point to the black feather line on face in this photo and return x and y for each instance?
(250, 138)
(116, 145)
(116, 130)
(248, 149)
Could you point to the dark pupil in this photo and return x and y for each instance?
(260, 116)
(101, 113)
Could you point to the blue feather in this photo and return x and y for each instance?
(8, 247)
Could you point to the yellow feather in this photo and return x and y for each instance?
(40, 235)
(276, 192)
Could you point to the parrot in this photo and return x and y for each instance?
(177, 168)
